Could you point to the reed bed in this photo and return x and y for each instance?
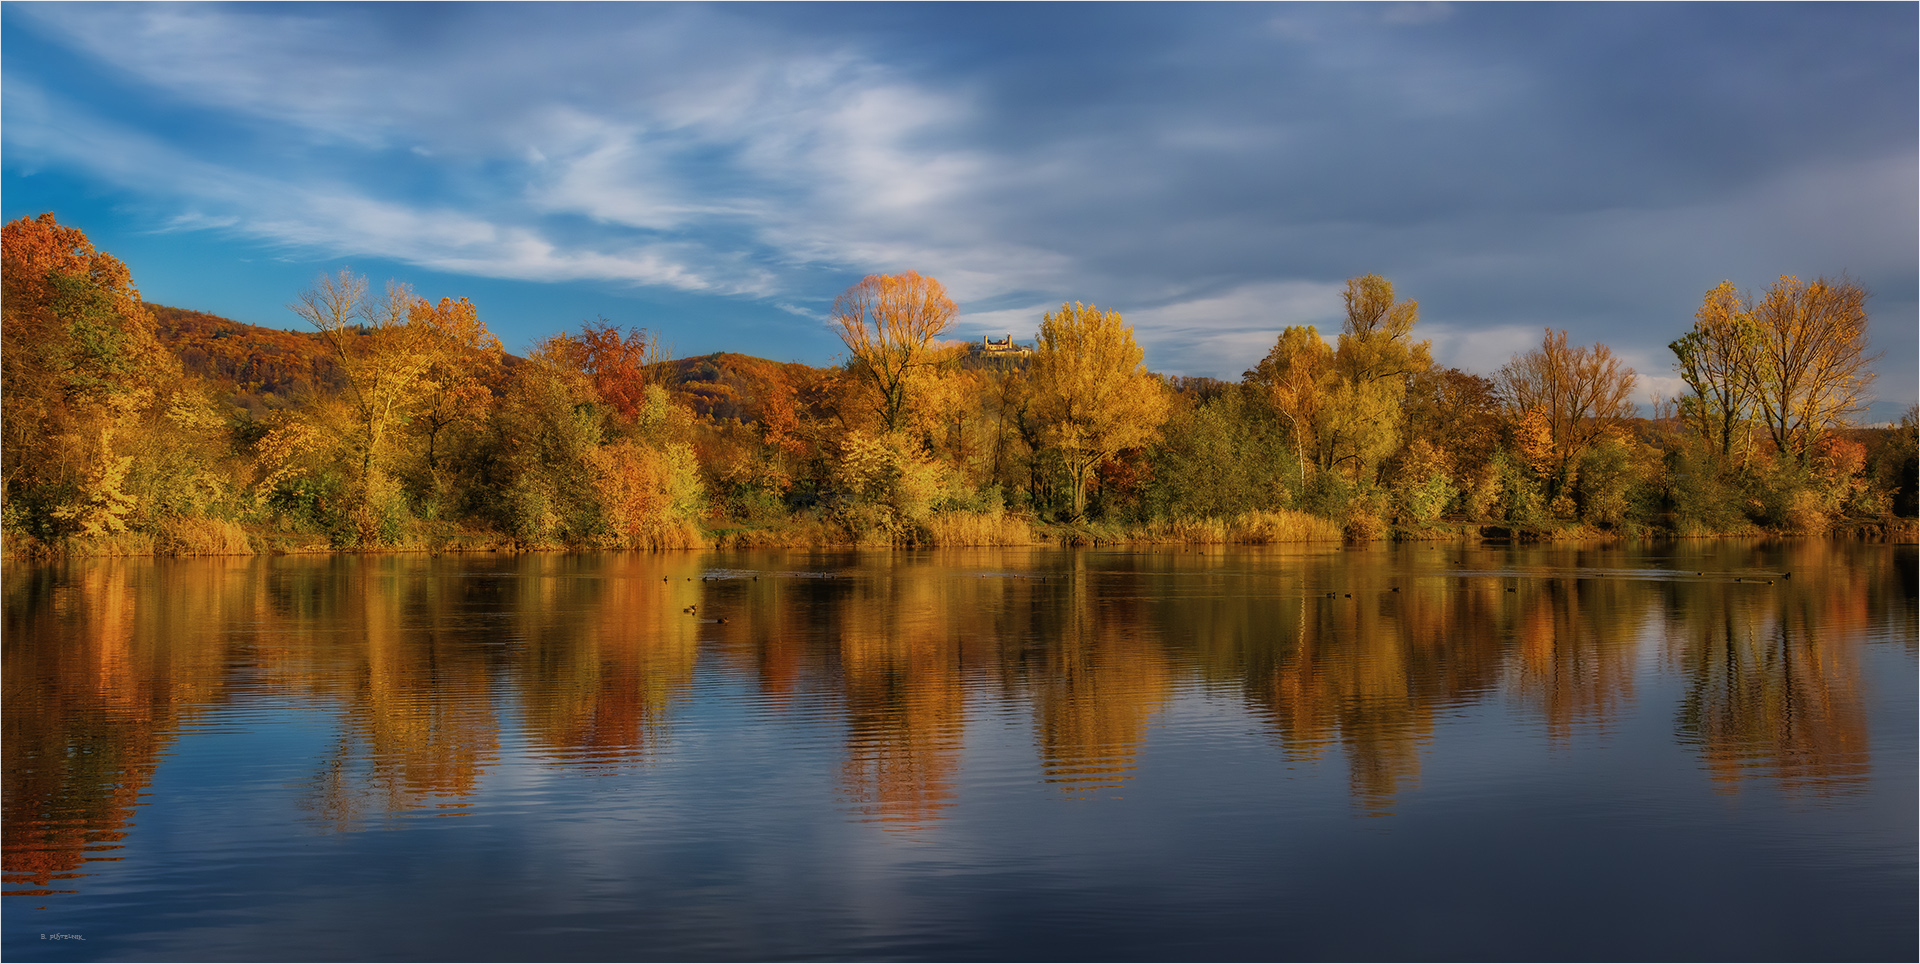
(200, 536)
(1257, 528)
(965, 528)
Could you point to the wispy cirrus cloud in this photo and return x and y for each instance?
(336, 217)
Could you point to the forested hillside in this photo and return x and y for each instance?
(399, 421)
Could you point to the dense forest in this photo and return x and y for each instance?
(400, 422)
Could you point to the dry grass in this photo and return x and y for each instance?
(795, 534)
(1258, 528)
(669, 534)
(1283, 525)
(113, 544)
(993, 528)
(194, 536)
(1193, 532)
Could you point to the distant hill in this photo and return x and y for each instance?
(726, 385)
(254, 368)
(260, 369)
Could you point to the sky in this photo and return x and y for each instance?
(718, 174)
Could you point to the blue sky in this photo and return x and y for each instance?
(1214, 172)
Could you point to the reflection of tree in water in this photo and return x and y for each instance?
(899, 656)
(1332, 682)
(1099, 677)
(1102, 688)
(1774, 682)
(1574, 641)
(415, 692)
(98, 680)
(606, 655)
(1360, 672)
(105, 661)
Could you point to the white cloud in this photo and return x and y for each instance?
(1021, 323)
(1224, 334)
(1479, 350)
(341, 220)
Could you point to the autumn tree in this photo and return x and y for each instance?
(86, 387)
(1296, 377)
(1092, 397)
(383, 361)
(1575, 394)
(1374, 362)
(1457, 412)
(1716, 359)
(464, 359)
(889, 323)
(614, 361)
(1809, 364)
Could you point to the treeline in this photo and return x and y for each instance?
(400, 422)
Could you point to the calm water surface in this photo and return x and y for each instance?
(1416, 752)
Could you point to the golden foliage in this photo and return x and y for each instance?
(1092, 397)
(1810, 366)
(648, 496)
(889, 323)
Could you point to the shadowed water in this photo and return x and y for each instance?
(1419, 752)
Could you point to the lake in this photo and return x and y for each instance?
(1656, 751)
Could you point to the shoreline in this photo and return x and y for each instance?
(1202, 533)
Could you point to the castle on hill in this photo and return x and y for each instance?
(1004, 346)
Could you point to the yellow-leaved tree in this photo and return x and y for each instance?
(1297, 376)
(889, 323)
(1374, 364)
(1809, 361)
(383, 362)
(463, 358)
(1092, 397)
(1716, 361)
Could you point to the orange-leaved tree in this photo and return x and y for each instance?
(81, 371)
(1580, 392)
(464, 360)
(614, 361)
